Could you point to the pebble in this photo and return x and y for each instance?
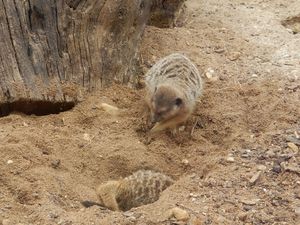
(261, 167)
(246, 153)
(255, 177)
(185, 162)
(179, 214)
(219, 50)
(247, 207)
(230, 159)
(193, 195)
(294, 140)
(45, 151)
(292, 167)
(270, 153)
(234, 56)
(181, 128)
(250, 201)
(209, 73)
(292, 78)
(276, 167)
(293, 147)
(128, 214)
(55, 163)
(9, 162)
(242, 216)
(280, 90)
(86, 137)
(297, 135)
(297, 211)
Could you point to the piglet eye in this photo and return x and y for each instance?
(178, 101)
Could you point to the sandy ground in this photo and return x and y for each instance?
(239, 166)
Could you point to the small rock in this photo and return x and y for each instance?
(55, 163)
(193, 175)
(297, 135)
(292, 78)
(209, 73)
(86, 137)
(181, 128)
(276, 168)
(290, 167)
(294, 140)
(270, 153)
(179, 214)
(261, 167)
(9, 162)
(230, 159)
(185, 162)
(234, 56)
(280, 90)
(25, 124)
(246, 153)
(242, 216)
(193, 195)
(45, 152)
(250, 201)
(219, 50)
(128, 214)
(222, 77)
(297, 211)
(293, 147)
(254, 75)
(255, 178)
(61, 222)
(247, 207)
(193, 199)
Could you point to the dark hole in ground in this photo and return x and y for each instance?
(292, 23)
(39, 108)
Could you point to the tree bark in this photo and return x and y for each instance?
(52, 50)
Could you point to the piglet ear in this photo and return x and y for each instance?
(178, 101)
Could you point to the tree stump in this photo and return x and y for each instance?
(54, 50)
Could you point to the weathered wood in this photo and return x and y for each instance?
(52, 50)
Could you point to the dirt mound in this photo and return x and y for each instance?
(240, 165)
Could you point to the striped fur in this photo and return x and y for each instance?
(140, 188)
(172, 77)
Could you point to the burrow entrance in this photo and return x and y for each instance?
(39, 108)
